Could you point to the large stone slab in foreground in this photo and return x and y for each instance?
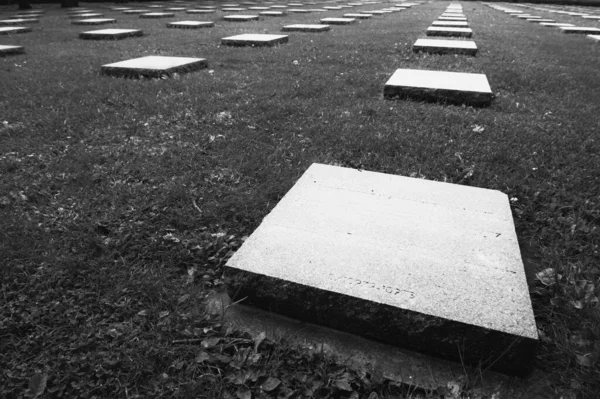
(440, 86)
(419, 264)
(445, 46)
(254, 39)
(153, 66)
(110, 34)
(306, 28)
(449, 31)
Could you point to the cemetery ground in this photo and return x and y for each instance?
(121, 199)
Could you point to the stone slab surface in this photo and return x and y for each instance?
(306, 28)
(94, 21)
(597, 17)
(338, 21)
(449, 31)
(86, 15)
(6, 30)
(555, 24)
(272, 13)
(594, 37)
(579, 29)
(19, 21)
(157, 15)
(240, 18)
(110, 34)
(135, 11)
(442, 18)
(358, 16)
(255, 39)
(437, 264)
(190, 24)
(441, 46)
(452, 87)
(153, 66)
(450, 23)
(7, 49)
(200, 11)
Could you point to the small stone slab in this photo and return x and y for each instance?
(137, 11)
(272, 13)
(110, 34)
(9, 50)
(451, 87)
(450, 23)
(579, 29)
(233, 9)
(358, 16)
(299, 10)
(94, 21)
(200, 11)
(415, 263)
(594, 17)
(153, 66)
(442, 18)
(332, 8)
(176, 9)
(259, 8)
(441, 46)
(338, 21)
(554, 24)
(541, 20)
(6, 30)
(240, 18)
(377, 12)
(120, 8)
(86, 15)
(158, 15)
(191, 24)
(450, 32)
(254, 39)
(19, 21)
(594, 37)
(306, 28)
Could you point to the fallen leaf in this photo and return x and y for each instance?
(202, 357)
(258, 340)
(548, 276)
(37, 385)
(586, 360)
(343, 384)
(183, 298)
(270, 384)
(244, 394)
(209, 342)
(163, 314)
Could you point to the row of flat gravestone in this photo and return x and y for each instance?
(451, 87)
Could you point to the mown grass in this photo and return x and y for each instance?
(120, 200)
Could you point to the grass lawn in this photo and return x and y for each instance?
(121, 199)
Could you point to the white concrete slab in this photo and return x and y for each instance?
(153, 66)
(438, 264)
(452, 87)
(461, 24)
(94, 21)
(358, 16)
(157, 15)
(19, 21)
(86, 15)
(136, 11)
(254, 39)
(332, 8)
(579, 29)
(233, 9)
(594, 37)
(7, 30)
(190, 24)
(9, 50)
(240, 18)
(175, 9)
(442, 18)
(199, 11)
(449, 31)
(554, 24)
(306, 28)
(592, 17)
(442, 46)
(259, 8)
(272, 13)
(338, 21)
(110, 34)
(537, 21)
(299, 10)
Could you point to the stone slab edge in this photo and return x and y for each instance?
(444, 50)
(244, 42)
(116, 36)
(152, 73)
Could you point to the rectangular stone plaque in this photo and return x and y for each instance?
(461, 24)
(358, 16)
(441, 86)
(449, 31)
(19, 21)
(414, 263)
(254, 39)
(7, 50)
(594, 37)
(240, 18)
(579, 29)
(153, 66)
(6, 30)
(191, 24)
(441, 46)
(306, 28)
(110, 34)
(555, 24)
(94, 21)
(158, 15)
(338, 21)
(200, 11)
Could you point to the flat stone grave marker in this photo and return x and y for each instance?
(317, 10)
(6, 30)
(451, 87)
(233, 9)
(441, 46)
(437, 264)
(26, 16)
(358, 16)
(110, 34)
(259, 8)
(332, 8)
(254, 39)
(306, 28)
(450, 23)
(86, 15)
(135, 11)
(200, 11)
(454, 15)
(540, 20)
(554, 24)
(120, 8)
(579, 29)
(156, 6)
(596, 17)
(449, 31)
(272, 13)
(80, 11)
(94, 21)
(191, 24)
(32, 11)
(442, 18)
(338, 21)
(594, 37)
(240, 18)
(157, 15)
(175, 9)
(299, 10)
(9, 50)
(19, 21)
(279, 6)
(153, 66)
(529, 17)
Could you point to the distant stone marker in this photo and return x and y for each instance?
(240, 18)
(110, 34)
(338, 21)
(299, 10)
(191, 24)
(259, 8)
(448, 31)
(9, 50)
(450, 23)
(200, 11)
(579, 29)
(94, 21)
(135, 11)
(358, 16)
(175, 9)
(441, 46)
(332, 8)
(153, 66)
(440, 86)
(254, 40)
(594, 37)
(13, 29)
(86, 15)
(425, 265)
(540, 20)
(272, 13)
(554, 24)
(442, 18)
(306, 28)
(157, 15)
(594, 17)
(19, 21)
(233, 9)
